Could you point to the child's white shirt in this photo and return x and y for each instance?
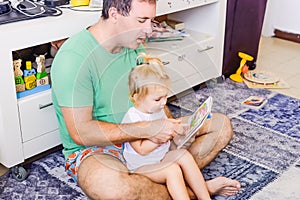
(133, 159)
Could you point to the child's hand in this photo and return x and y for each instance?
(177, 139)
(165, 129)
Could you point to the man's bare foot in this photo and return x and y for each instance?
(222, 186)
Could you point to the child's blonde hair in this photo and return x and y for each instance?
(151, 71)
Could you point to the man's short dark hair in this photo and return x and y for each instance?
(123, 6)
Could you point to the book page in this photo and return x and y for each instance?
(196, 120)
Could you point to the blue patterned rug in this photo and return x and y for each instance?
(265, 145)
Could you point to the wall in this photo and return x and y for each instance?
(282, 15)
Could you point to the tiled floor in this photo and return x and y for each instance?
(278, 56)
(281, 57)
(3, 170)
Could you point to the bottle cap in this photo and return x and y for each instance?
(28, 65)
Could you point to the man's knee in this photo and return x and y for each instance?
(227, 129)
(218, 136)
(223, 124)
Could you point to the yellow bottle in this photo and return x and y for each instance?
(29, 76)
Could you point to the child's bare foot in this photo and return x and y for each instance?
(223, 186)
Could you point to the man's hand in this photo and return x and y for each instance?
(165, 130)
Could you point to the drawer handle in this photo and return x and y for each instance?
(207, 48)
(181, 58)
(45, 105)
(165, 62)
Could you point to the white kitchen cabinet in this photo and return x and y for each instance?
(198, 57)
(28, 125)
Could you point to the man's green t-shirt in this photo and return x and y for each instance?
(84, 74)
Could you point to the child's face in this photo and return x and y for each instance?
(154, 101)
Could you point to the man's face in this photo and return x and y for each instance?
(135, 27)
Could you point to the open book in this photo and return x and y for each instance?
(196, 120)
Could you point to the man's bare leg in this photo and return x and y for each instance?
(212, 138)
(105, 177)
(100, 175)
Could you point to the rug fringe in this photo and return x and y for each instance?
(251, 161)
(269, 129)
(276, 180)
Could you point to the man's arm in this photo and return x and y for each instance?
(84, 130)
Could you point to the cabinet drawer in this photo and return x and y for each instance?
(176, 58)
(37, 116)
(178, 65)
(188, 61)
(165, 7)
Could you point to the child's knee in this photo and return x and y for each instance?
(174, 168)
(184, 156)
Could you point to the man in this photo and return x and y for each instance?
(89, 86)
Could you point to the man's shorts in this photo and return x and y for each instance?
(74, 160)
